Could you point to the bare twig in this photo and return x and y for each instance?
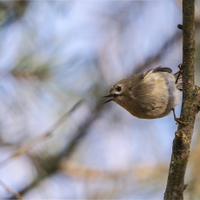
(67, 152)
(24, 148)
(76, 169)
(9, 190)
(190, 107)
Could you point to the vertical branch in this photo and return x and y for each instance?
(183, 136)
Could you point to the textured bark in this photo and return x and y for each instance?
(190, 107)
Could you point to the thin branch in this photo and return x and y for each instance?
(69, 149)
(24, 148)
(190, 107)
(138, 173)
(11, 191)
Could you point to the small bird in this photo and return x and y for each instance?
(149, 95)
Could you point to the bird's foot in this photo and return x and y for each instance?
(178, 121)
(180, 66)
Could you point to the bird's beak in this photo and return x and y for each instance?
(107, 96)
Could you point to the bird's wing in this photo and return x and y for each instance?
(157, 69)
(162, 69)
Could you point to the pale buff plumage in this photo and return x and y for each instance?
(148, 95)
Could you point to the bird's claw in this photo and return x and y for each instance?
(178, 121)
(180, 66)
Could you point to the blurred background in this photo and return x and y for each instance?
(57, 138)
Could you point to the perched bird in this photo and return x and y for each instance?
(149, 95)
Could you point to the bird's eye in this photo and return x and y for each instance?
(119, 88)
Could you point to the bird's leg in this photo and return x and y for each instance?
(180, 66)
(178, 121)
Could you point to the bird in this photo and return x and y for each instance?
(149, 95)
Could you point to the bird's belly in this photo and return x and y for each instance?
(151, 112)
(155, 108)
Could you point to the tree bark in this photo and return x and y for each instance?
(190, 107)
